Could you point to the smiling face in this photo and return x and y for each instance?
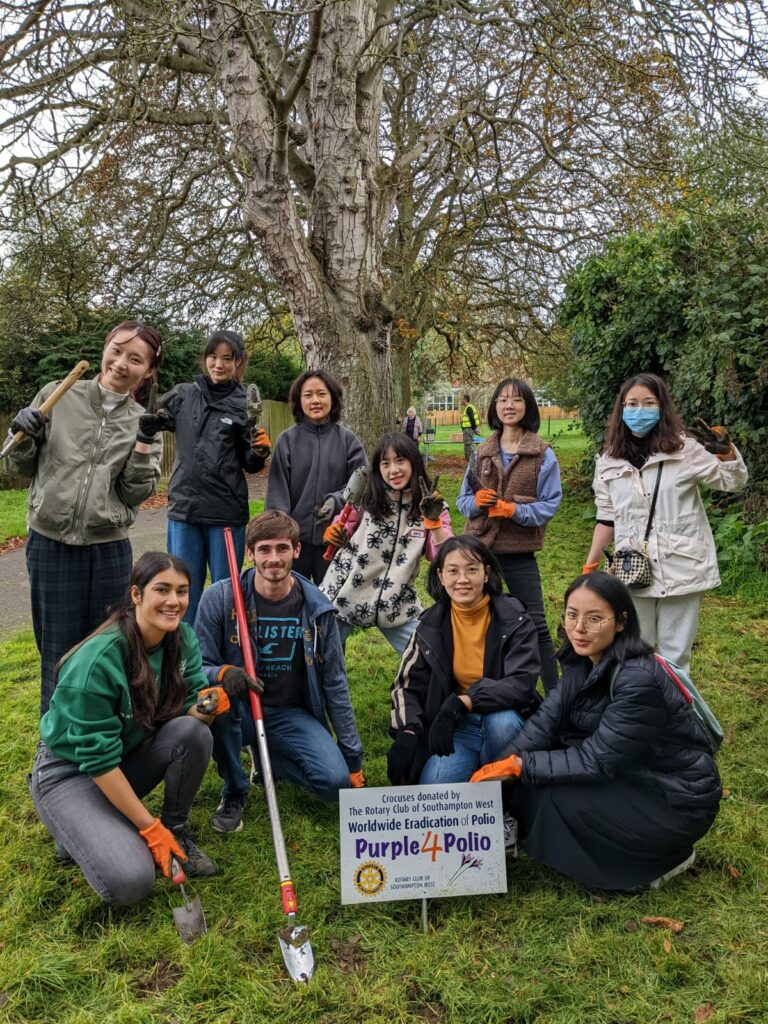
(590, 624)
(315, 400)
(273, 560)
(396, 470)
(221, 364)
(463, 577)
(510, 406)
(160, 606)
(126, 360)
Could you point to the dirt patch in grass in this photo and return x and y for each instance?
(163, 976)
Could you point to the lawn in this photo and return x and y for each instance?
(546, 953)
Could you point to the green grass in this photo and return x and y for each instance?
(565, 433)
(545, 953)
(13, 514)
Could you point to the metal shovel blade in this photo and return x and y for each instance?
(297, 952)
(190, 919)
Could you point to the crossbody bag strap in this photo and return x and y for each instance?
(653, 504)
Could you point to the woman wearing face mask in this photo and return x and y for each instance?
(92, 463)
(644, 434)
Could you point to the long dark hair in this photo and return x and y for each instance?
(236, 346)
(532, 418)
(334, 388)
(475, 551)
(376, 500)
(147, 711)
(626, 644)
(665, 436)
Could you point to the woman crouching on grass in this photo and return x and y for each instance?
(616, 778)
(124, 718)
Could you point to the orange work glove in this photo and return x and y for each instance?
(432, 524)
(213, 700)
(357, 780)
(485, 497)
(589, 567)
(336, 534)
(162, 845)
(260, 443)
(502, 510)
(510, 767)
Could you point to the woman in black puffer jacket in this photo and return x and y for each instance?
(616, 776)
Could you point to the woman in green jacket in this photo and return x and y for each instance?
(128, 713)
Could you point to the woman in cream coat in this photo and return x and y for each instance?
(645, 433)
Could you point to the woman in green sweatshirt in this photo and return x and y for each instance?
(126, 715)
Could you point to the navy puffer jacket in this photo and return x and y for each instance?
(645, 734)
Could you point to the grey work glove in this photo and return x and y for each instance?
(324, 512)
(29, 421)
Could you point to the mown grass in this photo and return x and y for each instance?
(13, 514)
(546, 953)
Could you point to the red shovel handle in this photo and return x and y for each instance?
(346, 512)
(242, 622)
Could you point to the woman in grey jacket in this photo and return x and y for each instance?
(92, 464)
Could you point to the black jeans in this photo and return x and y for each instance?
(521, 574)
(311, 563)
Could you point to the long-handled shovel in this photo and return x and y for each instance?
(189, 919)
(294, 938)
(48, 404)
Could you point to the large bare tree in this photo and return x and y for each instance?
(382, 168)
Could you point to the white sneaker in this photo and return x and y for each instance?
(673, 872)
(510, 835)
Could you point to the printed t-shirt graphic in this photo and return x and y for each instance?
(280, 653)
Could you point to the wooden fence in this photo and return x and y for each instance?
(275, 418)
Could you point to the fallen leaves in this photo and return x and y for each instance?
(670, 923)
(704, 1012)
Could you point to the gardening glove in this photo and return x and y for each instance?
(357, 780)
(153, 421)
(257, 439)
(336, 535)
(29, 421)
(405, 759)
(502, 510)
(213, 700)
(714, 439)
(589, 567)
(510, 768)
(162, 845)
(485, 497)
(325, 511)
(444, 725)
(236, 682)
(432, 503)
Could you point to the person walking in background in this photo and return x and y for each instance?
(216, 443)
(300, 661)
(412, 425)
(93, 459)
(401, 519)
(123, 719)
(468, 676)
(646, 441)
(470, 424)
(613, 777)
(509, 496)
(313, 460)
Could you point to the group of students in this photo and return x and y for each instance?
(614, 780)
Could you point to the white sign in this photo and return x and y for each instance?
(416, 842)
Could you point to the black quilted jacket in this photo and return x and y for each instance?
(646, 733)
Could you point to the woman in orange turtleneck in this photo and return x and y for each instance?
(468, 676)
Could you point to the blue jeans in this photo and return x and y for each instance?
(112, 855)
(398, 636)
(202, 546)
(301, 750)
(478, 740)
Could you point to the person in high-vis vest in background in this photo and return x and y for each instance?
(469, 425)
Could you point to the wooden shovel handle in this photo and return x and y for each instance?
(57, 393)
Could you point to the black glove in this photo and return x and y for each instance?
(153, 421)
(444, 725)
(432, 503)
(405, 759)
(236, 682)
(30, 421)
(714, 439)
(324, 512)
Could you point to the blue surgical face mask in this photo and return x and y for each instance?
(641, 421)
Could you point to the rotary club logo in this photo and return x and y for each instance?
(370, 878)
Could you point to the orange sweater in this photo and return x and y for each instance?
(469, 626)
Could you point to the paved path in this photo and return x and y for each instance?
(146, 534)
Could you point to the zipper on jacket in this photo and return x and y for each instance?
(87, 480)
(391, 556)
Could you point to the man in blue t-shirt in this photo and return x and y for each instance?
(300, 662)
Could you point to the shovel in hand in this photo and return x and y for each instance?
(189, 919)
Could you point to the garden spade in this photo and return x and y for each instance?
(253, 403)
(352, 495)
(189, 919)
(294, 938)
(49, 403)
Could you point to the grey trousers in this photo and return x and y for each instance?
(113, 857)
(669, 624)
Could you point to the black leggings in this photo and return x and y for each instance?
(521, 574)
